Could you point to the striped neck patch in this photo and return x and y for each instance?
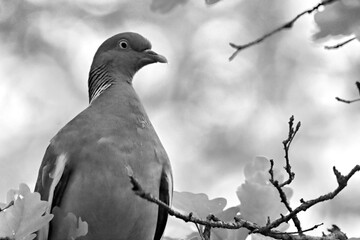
(99, 81)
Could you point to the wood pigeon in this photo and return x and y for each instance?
(85, 168)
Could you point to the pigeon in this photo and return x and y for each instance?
(85, 169)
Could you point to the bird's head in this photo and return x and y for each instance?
(126, 53)
(119, 58)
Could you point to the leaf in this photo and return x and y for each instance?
(210, 2)
(257, 171)
(198, 203)
(25, 217)
(260, 237)
(193, 236)
(339, 18)
(169, 238)
(74, 227)
(165, 6)
(241, 234)
(226, 216)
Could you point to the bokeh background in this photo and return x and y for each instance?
(213, 116)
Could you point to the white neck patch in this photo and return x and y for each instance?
(100, 90)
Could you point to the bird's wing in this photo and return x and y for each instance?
(165, 195)
(51, 183)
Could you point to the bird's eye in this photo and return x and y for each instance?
(123, 44)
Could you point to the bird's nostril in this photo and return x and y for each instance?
(149, 51)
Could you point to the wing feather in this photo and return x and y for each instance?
(51, 183)
(165, 195)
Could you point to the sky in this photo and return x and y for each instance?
(212, 116)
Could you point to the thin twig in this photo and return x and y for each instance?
(351, 101)
(307, 230)
(207, 229)
(199, 231)
(340, 44)
(285, 26)
(347, 101)
(279, 186)
(286, 144)
(7, 206)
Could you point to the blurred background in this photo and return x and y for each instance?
(213, 116)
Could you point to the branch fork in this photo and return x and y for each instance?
(270, 228)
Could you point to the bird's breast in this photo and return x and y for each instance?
(99, 156)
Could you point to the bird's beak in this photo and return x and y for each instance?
(154, 57)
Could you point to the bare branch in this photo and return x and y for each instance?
(199, 231)
(350, 101)
(338, 235)
(347, 101)
(291, 175)
(207, 230)
(342, 182)
(286, 144)
(339, 44)
(285, 26)
(270, 227)
(267, 230)
(307, 230)
(238, 223)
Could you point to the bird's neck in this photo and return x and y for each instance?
(118, 99)
(101, 78)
